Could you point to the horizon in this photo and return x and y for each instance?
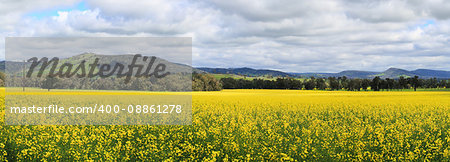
(289, 72)
(325, 72)
(362, 70)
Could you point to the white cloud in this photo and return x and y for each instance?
(290, 35)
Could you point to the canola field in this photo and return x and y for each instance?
(258, 125)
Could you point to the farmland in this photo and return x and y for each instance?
(258, 125)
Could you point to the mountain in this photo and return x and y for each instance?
(389, 73)
(11, 65)
(396, 73)
(309, 75)
(2, 66)
(245, 71)
(347, 73)
(355, 74)
(431, 73)
(16, 67)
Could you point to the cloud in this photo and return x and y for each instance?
(289, 35)
(11, 11)
(381, 11)
(256, 10)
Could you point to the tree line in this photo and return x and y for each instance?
(333, 83)
(174, 82)
(207, 82)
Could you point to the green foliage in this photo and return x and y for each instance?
(49, 83)
(333, 83)
(2, 76)
(2, 79)
(205, 82)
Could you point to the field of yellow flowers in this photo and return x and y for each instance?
(258, 125)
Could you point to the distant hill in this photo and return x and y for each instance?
(308, 75)
(396, 73)
(431, 73)
(2, 66)
(16, 67)
(389, 73)
(356, 74)
(246, 71)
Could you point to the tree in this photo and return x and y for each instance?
(310, 84)
(403, 83)
(294, 83)
(228, 83)
(320, 84)
(365, 83)
(281, 83)
(415, 82)
(205, 82)
(334, 84)
(442, 83)
(390, 83)
(383, 84)
(354, 84)
(375, 84)
(343, 82)
(2, 79)
(2, 76)
(431, 83)
(49, 83)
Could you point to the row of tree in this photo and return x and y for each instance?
(173, 82)
(207, 82)
(333, 83)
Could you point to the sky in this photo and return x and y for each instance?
(173, 49)
(287, 35)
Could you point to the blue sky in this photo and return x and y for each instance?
(288, 35)
(53, 11)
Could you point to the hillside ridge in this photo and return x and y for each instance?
(389, 73)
